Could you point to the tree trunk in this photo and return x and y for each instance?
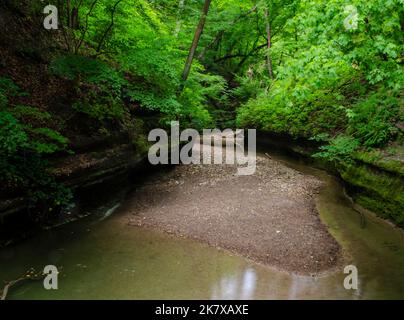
(269, 59)
(68, 13)
(75, 24)
(195, 42)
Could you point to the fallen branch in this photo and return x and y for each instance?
(29, 275)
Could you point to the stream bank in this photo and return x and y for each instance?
(268, 217)
(97, 167)
(104, 257)
(374, 182)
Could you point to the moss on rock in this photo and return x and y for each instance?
(376, 189)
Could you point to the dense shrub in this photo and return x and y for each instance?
(336, 82)
(23, 147)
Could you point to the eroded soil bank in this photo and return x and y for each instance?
(269, 217)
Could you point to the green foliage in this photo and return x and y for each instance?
(248, 88)
(48, 140)
(298, 108)
(372, 120)
(88, 70)
(12, 134)
(23, 112)
(100, 107)
(201, 89)
(8, 89)
(99, 85)
(155, 83)
(22, 147)
(375, 157)
(141, 45)
(23, 168)
(339, 150)
(331, 80)
(339, 86)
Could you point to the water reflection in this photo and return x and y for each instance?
(240, 286)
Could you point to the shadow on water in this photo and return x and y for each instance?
(101, 257)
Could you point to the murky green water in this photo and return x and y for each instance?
(103, 258)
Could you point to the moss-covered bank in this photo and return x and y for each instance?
(375, 188)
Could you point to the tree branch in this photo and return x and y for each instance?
(220, 34)
(77, 47)
(100, 44)
(240, 55)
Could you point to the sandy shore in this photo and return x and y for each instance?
(268, 217)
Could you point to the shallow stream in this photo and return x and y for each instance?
(100, 257)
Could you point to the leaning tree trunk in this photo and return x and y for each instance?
(269, 59)
(195, 42)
